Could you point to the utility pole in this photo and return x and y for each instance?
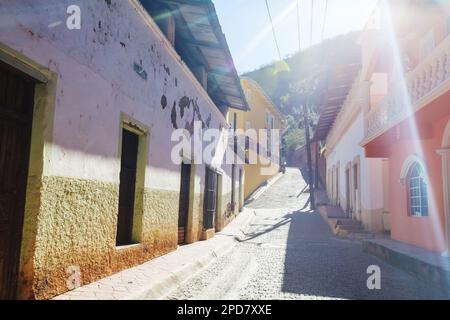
(308, 155)
(317, 180)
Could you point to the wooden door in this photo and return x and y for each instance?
(210, 203)
(127, 189)
(16, 112)
(183, 211)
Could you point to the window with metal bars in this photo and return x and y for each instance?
(417, 191)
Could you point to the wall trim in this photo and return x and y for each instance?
(409, 161)
(446, 137)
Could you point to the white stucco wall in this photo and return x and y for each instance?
(96, 83)
(371, 175)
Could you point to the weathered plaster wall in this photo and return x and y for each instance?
(264, 169)
(71, 213)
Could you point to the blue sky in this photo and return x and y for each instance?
(247, 26)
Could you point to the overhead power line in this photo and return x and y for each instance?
(324, 20)
(273, 30)
(312, 24)
(298, 26)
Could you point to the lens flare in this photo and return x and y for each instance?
(401, 93)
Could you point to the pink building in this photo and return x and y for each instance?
(406, 58)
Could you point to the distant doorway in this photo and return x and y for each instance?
(348, 205)
(183, 211)
(241, 205)
(356, 199)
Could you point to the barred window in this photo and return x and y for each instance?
(417, 191)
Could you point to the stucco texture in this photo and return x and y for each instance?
(73, 189)
(76, 226)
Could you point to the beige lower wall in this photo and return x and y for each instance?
(227, 212)
(71, 222)
(254, 179)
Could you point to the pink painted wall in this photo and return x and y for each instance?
(427, 232)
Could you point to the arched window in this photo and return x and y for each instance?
(417, 191)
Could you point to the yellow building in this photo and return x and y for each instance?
(262, 116)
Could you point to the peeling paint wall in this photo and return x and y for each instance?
(117, 64)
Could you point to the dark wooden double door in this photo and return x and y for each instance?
(209, 205)
(183, 212)
(16, 112)
(210, 201)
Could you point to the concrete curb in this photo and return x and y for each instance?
(162, 288)
(429, 270)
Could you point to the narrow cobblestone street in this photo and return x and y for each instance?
(289, 252)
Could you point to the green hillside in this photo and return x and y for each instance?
(304, 77)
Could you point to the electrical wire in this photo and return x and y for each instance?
(312, 24)
(298, 26)
(324, 20)
(273, 30)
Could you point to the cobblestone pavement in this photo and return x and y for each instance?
(289, 252)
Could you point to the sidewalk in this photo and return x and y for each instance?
(424, 264)
(261, 189)
(156, 278)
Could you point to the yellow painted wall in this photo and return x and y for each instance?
(259, 103)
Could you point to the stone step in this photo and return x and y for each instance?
(360, 236)
(351, 228)
(348, 222)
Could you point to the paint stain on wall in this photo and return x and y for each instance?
(167, 69)
(163, 101)
(184, 103)
(173, 116)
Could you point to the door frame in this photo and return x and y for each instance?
(44, 105)
(241, 182)
(219, 202)
(348, 191)
(357, 203)
(210, 170)
(190, 191)
(191, 229)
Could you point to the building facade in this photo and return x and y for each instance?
(354, 182)
(90, 98)
(409, 49)
(262, 151)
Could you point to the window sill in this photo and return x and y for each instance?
(128, 246)
(417, 217)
